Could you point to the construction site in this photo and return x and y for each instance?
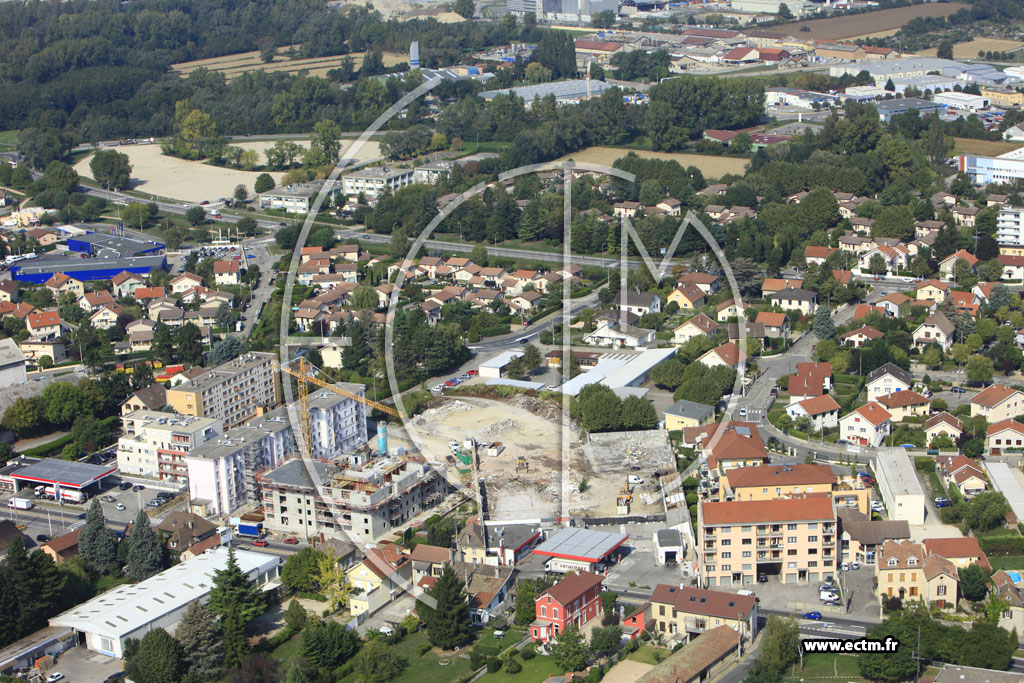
(516, 452)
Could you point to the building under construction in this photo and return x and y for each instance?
(366, 495)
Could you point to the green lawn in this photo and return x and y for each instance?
(826, 667)
(289, 650)
(8, 139)
(1006, 562)
(106, 582)
(425, 669)
(646, 654)
(537, 669)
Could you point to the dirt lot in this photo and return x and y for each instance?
(869, 23)
(194, 181)
(710, 166)
(532, 428)
(984, 147)
(233, 65)
(970, 49)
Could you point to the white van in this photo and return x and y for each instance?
(633, 479)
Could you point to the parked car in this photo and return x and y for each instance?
(138, 487)
(42, 538)
(124, 485)
(958, 390)
(472, 373)
(119, 506)
(845, 567)
(942, 503)
(762, 578)
(855, 565)
(291, 540)
(812, 615)
(55, 676)
(155, 503)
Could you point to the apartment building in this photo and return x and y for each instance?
(688, 612)
(365, 497)
(234, 392)
(156, 444)
(774, 482)
(1009, 228)
(224, 473)
(794, 539)
(373, 182)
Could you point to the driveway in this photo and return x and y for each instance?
(80, 665)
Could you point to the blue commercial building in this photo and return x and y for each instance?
(40, 270)
(112, 246)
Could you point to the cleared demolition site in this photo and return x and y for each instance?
(515, 450)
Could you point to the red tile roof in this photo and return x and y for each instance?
(866, 330)
(43, 319)
(872, 412)
(993, 395)
(818, 405)
(1003, 425)
(785, 475)
(710, 603)
(766, 511)
(769, 319)
(944, 418)
(572, 586)
(902, 399)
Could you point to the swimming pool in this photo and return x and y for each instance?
(1016, 577)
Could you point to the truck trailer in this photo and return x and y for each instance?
(249, 530)
(20, 504)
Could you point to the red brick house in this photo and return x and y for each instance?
(573, 601)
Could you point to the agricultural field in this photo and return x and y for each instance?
(984, 147)
(869, 24)
(193, 181)
(711, 166)
(233, 65)
(970, 49)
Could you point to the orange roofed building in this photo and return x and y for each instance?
(794, 539)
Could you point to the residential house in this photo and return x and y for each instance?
(687, 296)
(181, 530)
(860, 336)
(378, 578)
(627, 209)
(964, 473)
(43, 324)
(817, 255)
(887, 379)
(772, 285)
(802, 300)
(729, 309)
(727, 354)
(936, 329)
(823, 411)
(1004, 436)
(867, 425)
(904, 404)
(683, 414)
(639, 302)
(1013, 266)
(125, 284)
(705, 282)
(688, 611)
(671, 206)
(226, 273)
(730, 445)
(90, 302)
(943, 424)
(947, 264)
(153, 397)
(573, 601)
(861, 537)
(776, 325)
(737, 331)
(964, 216)
(184, 282)
(699, 325)
(105, 317)
(63, 547)
(60, 283)
(616, 335)
(906, 570)
(997, 403)
(891, 303)
(933, 290)
(9, 291)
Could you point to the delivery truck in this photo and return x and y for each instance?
(249, 530)
(20, 504)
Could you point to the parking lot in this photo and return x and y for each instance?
(48, 519)
(80, 665)
(855, 588)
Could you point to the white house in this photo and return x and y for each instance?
(867, 425)
(936, 329)
(823, 411)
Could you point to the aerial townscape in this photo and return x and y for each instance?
(509, 341)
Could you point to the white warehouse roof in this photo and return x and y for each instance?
(501, 360)
(123, 610)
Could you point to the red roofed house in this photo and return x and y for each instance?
(803, 547)
(822, 410)
(382, 574)
(775, 324)
(962, 471)
(817, 255)
(1003, 436)
(733, 444)
(126, 283)
(772, 54)
(904, 404)
(741, 55)
(60, 283)
(943, 424)
(997, 403)
(226, 273)
(574, 600)
(727, 354)
(868, 425)
(860, 336)
(43, 324)
(947, 264)
(595, 48)
(960, 551)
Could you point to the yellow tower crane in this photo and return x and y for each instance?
(305, 378)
